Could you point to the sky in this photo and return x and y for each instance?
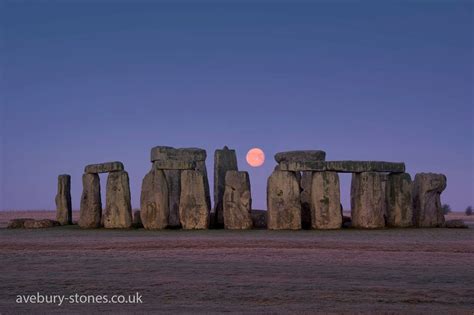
(89, 82)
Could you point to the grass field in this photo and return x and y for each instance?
(259, 271)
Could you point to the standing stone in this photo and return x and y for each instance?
(427, 211)
(118, 208)
(63, 200)
(173, 179)
(193, 206)
(305, 187)
(283, 201)
(237, 201)
(224, 160)
(201, 167)
(367, 200)
(399, 207)
(91, 204)
(326, 201)
(154, 206)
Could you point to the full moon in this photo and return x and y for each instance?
(255, 157)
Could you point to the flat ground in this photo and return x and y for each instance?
(259, 271)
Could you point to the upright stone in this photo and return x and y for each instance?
(173, 179)
(118, 209)
(201, 168)
(367, 200)
(399, 207)
(237, 201)
(326, 201)
(283, 201)
(63, 200)
(154, 206)
(91, 204)
(224, 160)
(193, 206)
(427, 189)
(305, 187)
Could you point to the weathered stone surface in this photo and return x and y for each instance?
(305, 188)
(118, 208)
(91, 203)
(174, 165)
(283, 201)
(399, 205)
(224, 160)
(193, 206)
(154, 205)
(63, 200)
(162, 153)
(344, 166)
(201, 167)
(40, 224)
(367, 200)
(104, 167)
(137, 220)
(259, 219)
(237, 201)
(455, 224)
(325, 201)
(173, 178)
(427, 189)
(300, 156)
(18, 223)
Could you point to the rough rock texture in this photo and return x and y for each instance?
(325, 201)
(137, 220)
(427, 189)
(173, 178)
(104, 167)
(118, 209)
(399, 205)
(193, 207)
(154, 206)
(162, 153)
(224, 160)
(18, 223)
(91, 203)
(283, 201)
(174, 165)
(300, 156)
(455, 224)
(201, 167)
(367, 200)
(237, 201)
(305, 188)
(40, 224)
(63, 200)
(344, 166)
(259, 219)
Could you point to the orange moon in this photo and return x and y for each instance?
(255, 157)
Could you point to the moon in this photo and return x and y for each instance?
(255, 157)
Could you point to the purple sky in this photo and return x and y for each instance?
(87, 83)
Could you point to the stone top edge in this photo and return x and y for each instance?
(105, 167)
(347, 166)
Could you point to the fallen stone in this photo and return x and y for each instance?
(259, 219)
(137, 220)
(455, 224)
(224, 160)
(104, 167)
(193, 207)
(118, 208)
(344, 166)
(283, 201)
(367, 200)
(237, 201)
(300, 156)
(399, 203)
(305, 195)
(63, 200)
(174, 165)
(173, 178)
(91, 203)
(18, 223)
(427, 189)
(154, 205)
(40, 224)
(325, 201)
(162, 153)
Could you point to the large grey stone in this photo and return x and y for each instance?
(237, 201)
(326, 201)
(367, 200)
(162, 153)
(173, 178)
(224, 160)
(104, 167)
(427, 189)
(399, 206)
(91, 203)
(174, 165)
(118, 208)
(154, 206)
(344, 166)
(201, 167)
(305, 188)
(300, 156)
(259, 219)
(283, 201)
(193, 206)
(63, 200)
